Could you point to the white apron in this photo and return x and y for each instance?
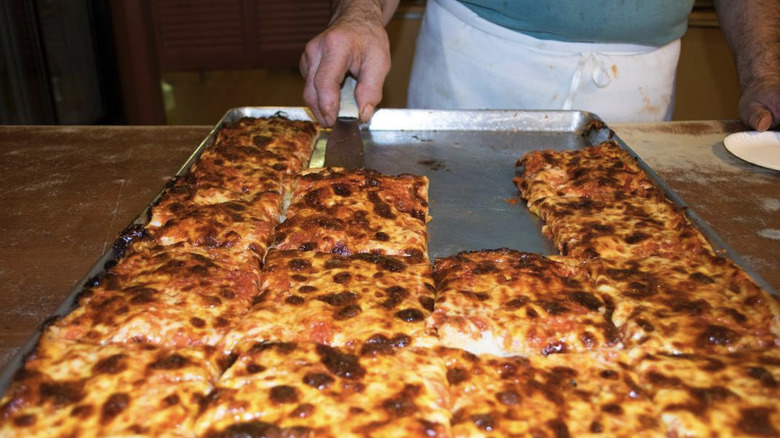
(463, 61)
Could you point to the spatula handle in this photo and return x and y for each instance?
(348, 108)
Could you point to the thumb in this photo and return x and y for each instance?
(759, 118)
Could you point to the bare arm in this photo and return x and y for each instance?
(752, 29)
(355, 42)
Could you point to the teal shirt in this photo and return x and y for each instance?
(644, 22)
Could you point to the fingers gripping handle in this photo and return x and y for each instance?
(348, 108)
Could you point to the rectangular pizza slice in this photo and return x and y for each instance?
(338, 300)
(596, 172)
(235, 226)
(630, 228)
(504, 302)
(171, 295)
(70, 389)
(562, 395)
(702, 304)
(277, 134)
(248, 158)
(716, 395)
(375, 389)
(360, 211)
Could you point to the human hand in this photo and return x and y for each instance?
(357, 43)
(759, 104)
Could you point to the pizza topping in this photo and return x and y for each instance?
(341, 364)
(410, 315)
(62, 394)
(756, 421)
(381, 344)
(347, 312)
(339, 299)
(115, 404)
(318, 380)
(111, 365)
(284, 394)
(403, 403)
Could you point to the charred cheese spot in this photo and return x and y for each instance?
(197, 322)
(61, 394)
(403, 403)
(341, 189)
(341, 364)
(171, 400)
(410, 315)
(334, 263)
(766, 379)
(381, 237)
(509, 398)
(259, 429)
(114, 406)
(304, 410)
(342, 278)
(294, 300)
(318, 380)
(609, 375)
(381, 344)
(559, 428)
(396, 294)
(427, 303)
(586, 300)
(24, 420)
(517, 302)
(111, 365)
(254, 368)
(555, 307)
(612, 409)
(307, 289)
(308, 246)
(486, 422)
(457, 375)
(347, 312)
(718, 335)
(284, 394)
(757, 421)
(82, 411)
(171, 362)
(299, 264)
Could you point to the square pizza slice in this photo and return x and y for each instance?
(574, 394)
(248, 158)
(75, 389)
(726, 395)
(235, 226)
(277, 134)
(338, 300)
(703, 304)
(596, 172)
(630, 228)
(505, 302)
(361, 211)
(306, 389)
(172, 296)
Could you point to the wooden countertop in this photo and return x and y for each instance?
(66, 193)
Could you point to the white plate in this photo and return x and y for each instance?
(761, 148)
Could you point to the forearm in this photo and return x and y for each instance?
(752, 29)
(372, 10)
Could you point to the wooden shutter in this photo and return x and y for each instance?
(234, 34)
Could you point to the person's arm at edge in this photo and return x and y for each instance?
(355, 42)
(752, 29)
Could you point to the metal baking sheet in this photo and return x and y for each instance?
(469, 157)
